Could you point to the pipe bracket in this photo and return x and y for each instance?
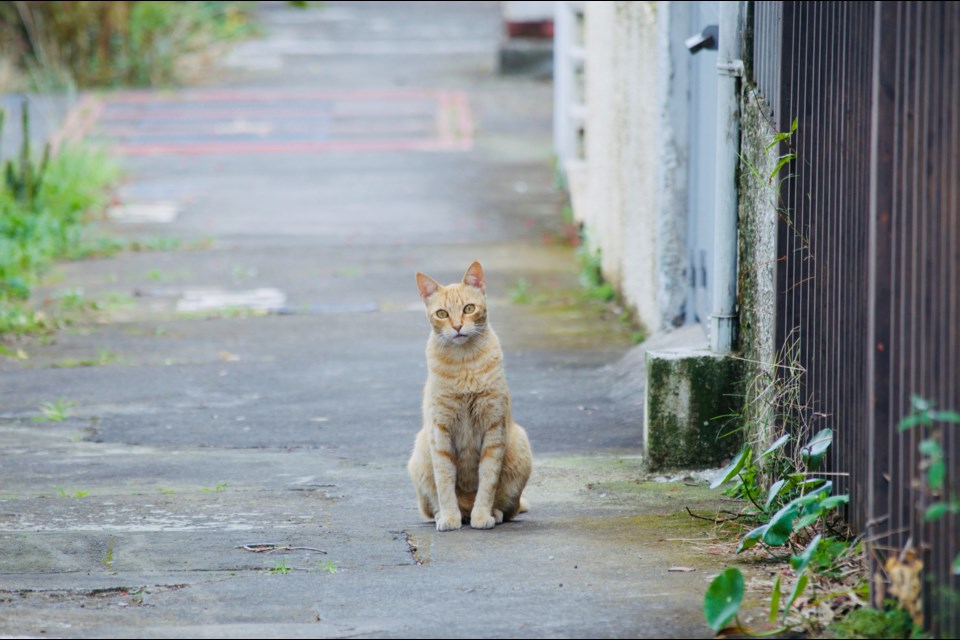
(733, 69)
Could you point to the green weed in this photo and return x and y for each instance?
(7, 352)
(43, 207)
(167, 276)
(281, 567)
(56, 411)
(104, 357)
(75, 495)
(107, 560)
(891, 622)
(520, 292)
(74, 300)
(794, 512)
(160, 243)
(790, 504)
(115, 300)
(220, 487)
(591, 274)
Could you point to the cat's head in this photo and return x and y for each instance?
(457, 312)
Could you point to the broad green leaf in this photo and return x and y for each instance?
(775, 490)
(913, 420)
(814, 497)
(813, 451)
(812, 483)
(752, 538)
(937, 510)
(956, 566)
(796, 478)
(780, 527)
(935, 474)
(793, 125)
(833, 502)
(731, 470)
(920, 404)
(800, 561)
(806, 521)
(946, 416)
(782, 440)
(723, 598)
(797, 591)
(931, 448)
(775, 599)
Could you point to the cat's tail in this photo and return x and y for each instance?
(524, 505)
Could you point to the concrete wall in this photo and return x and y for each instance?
(633, 200)
(756, 293)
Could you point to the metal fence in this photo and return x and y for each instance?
(868, 276)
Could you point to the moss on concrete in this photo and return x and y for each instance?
(689, 400)
(756, 287)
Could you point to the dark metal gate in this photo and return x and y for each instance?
(868, 275)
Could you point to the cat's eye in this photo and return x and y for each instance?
(470, 308)
(442, 313)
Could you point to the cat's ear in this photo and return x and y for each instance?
(474, 277)
(427, 285)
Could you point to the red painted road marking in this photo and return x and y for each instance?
(291, 147)
(177, 129)
(332, 121)
(246, 95)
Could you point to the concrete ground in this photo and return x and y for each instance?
(328, 162)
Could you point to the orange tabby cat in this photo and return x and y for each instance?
(470, 459)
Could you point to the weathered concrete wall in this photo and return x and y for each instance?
(691, 395)
(634, 204)
(757, 268)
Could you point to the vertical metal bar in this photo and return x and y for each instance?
(952, 284)
(953, 281)
(838, 407)
(806, 267)
(861, 242)
(784, 106)
(812, 336)
(881, 226)
(846, 215)
(923, 308)
(899, 277)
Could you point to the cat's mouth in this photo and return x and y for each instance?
(460, 338)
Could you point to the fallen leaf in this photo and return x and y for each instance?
(226, 356)
(681, 569)
(905, 583)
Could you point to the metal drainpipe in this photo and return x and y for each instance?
(723, 316)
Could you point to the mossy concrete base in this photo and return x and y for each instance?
(690, 395)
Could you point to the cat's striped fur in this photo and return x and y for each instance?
(470, 459)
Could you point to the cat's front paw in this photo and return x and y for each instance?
(480, 520)
(449, 523)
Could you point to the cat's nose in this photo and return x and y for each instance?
(457, 327)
